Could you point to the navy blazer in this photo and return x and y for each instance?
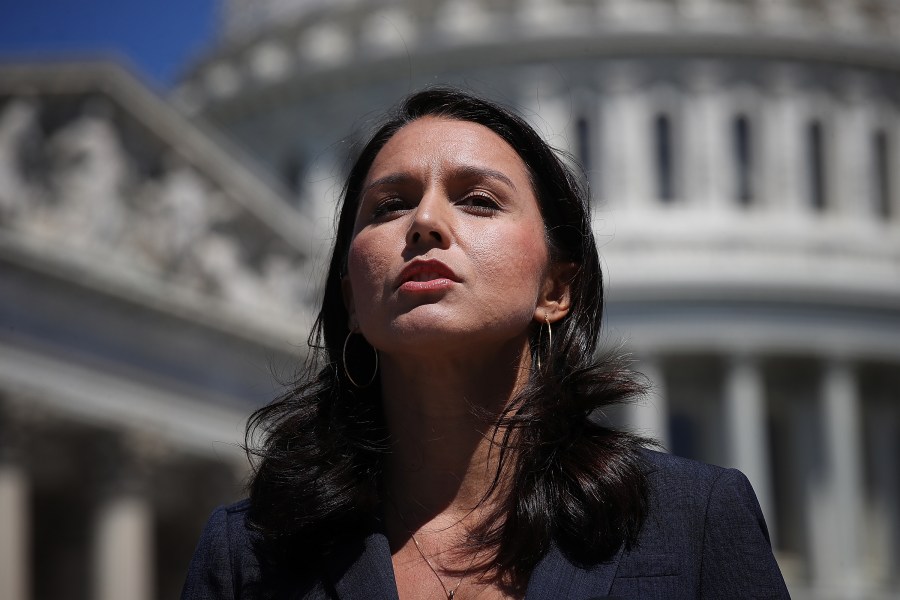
(704, 537)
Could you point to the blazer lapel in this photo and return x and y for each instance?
(556, 577)
(365, 570)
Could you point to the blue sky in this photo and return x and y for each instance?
(160, 37)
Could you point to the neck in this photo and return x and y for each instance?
(441, 414)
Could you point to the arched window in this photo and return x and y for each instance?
(742, 155)
(815, 165)
(664, 157)
(882, 184)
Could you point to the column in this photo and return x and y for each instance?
(843, 480)
(650, 417)
(706, 135)
(14, 539)
(783, 166)
(123, 548)
(893, 133)
(852, 180)
(627, 138)
(15, 516)
(748, 440)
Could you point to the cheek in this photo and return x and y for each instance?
(367, 266)
(516, 259)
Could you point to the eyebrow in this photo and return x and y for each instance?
(480, 172)
(468, 171)
(393, 178)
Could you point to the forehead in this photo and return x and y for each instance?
(439, 143)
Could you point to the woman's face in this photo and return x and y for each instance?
(449, 250)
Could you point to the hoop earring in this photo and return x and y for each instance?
(347, 371)
(549, 338)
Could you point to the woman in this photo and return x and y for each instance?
(442, 443)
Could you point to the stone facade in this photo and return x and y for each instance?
(150, 283)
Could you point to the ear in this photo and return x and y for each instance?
(556, 297)
(347, 293)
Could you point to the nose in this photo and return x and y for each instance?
(430, 221)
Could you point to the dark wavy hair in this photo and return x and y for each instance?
(568, 478)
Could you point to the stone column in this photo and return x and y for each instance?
(783, 167)
(748, 440)
(627, 139)
(852, 182)
(15, 514)
(843, 480)
(893, 159)
(123, 548)
(708, 150)
(651, 416)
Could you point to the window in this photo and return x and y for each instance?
(881, 181)
(742, 154)
(815, 164)
(665, 167)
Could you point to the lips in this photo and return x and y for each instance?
(422, 275)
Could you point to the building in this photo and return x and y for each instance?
(745, 160)
(143, 315)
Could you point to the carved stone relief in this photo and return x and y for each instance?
(157, 214)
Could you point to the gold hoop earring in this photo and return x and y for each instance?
(549, 338)
(347, 371)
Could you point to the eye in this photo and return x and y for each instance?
(479, 204)
(389, 207)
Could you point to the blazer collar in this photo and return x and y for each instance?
(364, 570)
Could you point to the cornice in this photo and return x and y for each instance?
(275, 61)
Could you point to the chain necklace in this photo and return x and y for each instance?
(450, 593)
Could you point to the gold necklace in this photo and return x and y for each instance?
(450, 593)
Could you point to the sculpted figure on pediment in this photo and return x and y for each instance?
(176, 212)
(17, 122)
(88, 174)
(219, 263)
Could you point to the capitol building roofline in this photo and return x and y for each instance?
(273, 38)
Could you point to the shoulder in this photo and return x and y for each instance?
(224, 561)
(227, 528)
(705, 521)
(683, 481)
(684, 490)
(668, 468)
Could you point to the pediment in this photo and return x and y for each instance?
(103, 181)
